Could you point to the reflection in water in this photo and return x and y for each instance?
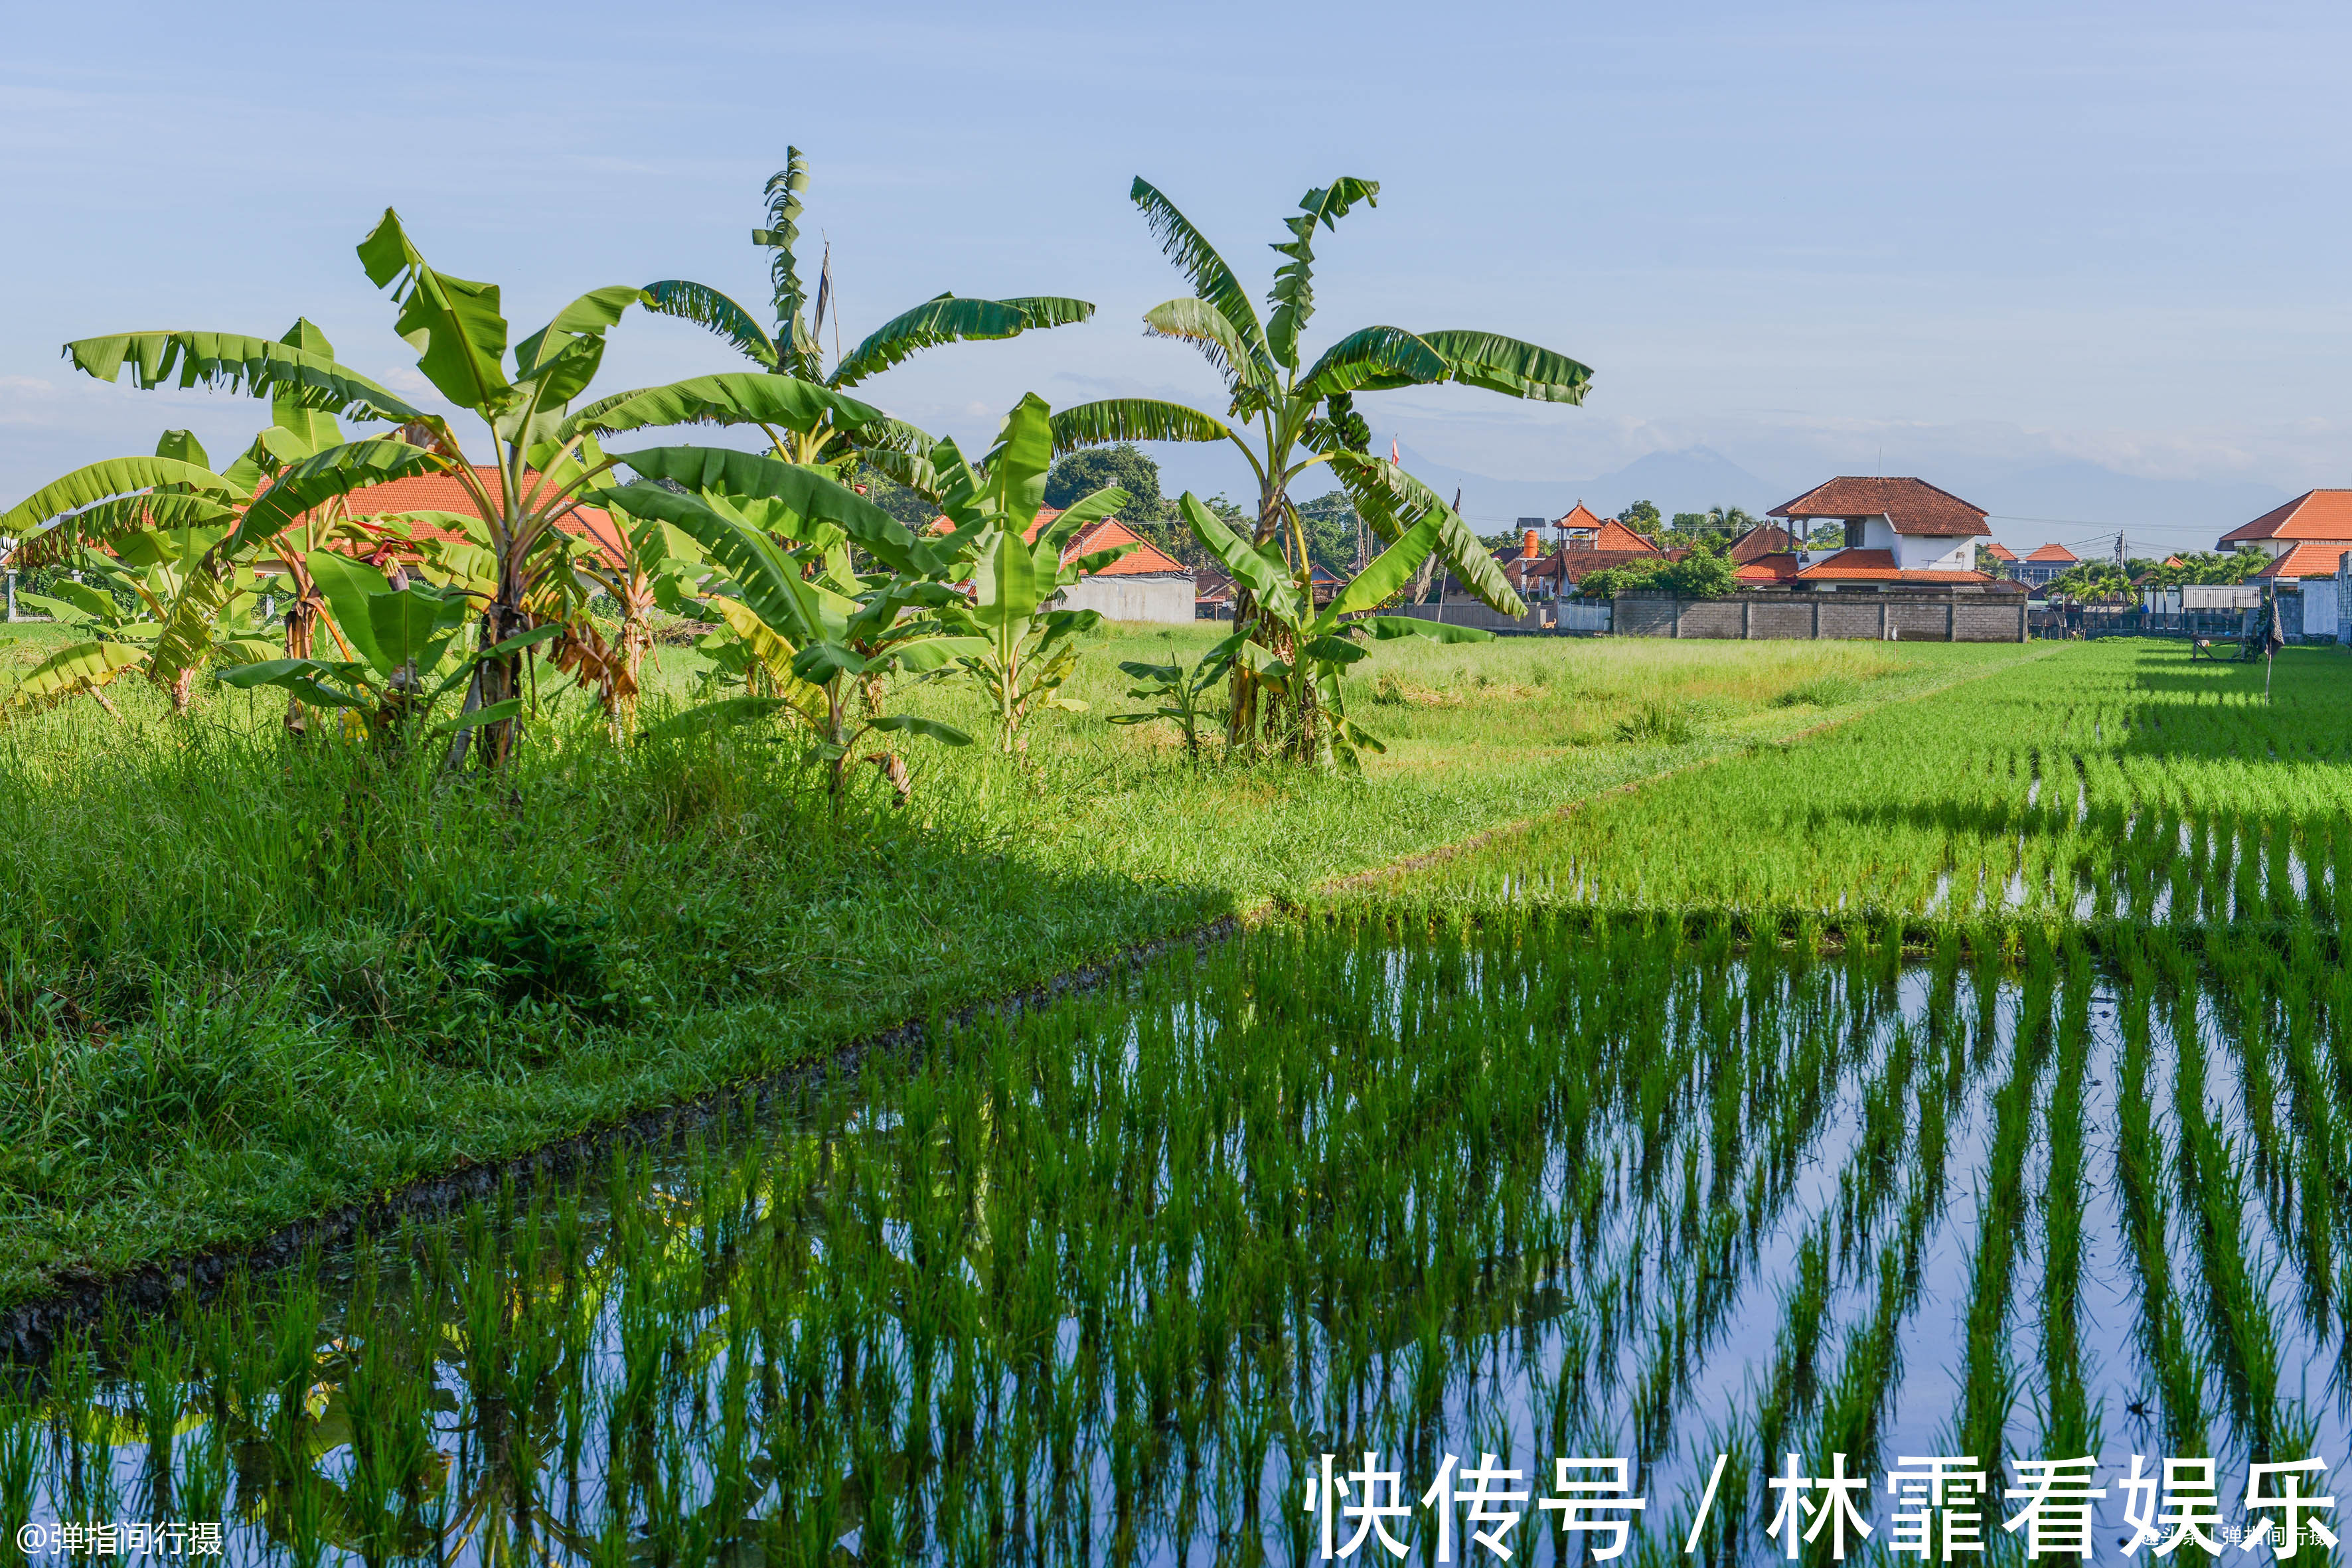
(1105, 1284)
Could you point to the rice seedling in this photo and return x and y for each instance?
(1106, 1281)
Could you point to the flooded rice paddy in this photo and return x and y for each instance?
(1105, 1283)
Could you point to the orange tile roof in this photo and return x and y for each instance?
(1911, 506)
(1878, 566)
(2053, 552)
(1146, 560)
(443, 492)
(1583, 516)
(2001, 552)
(2316, 558)
(1776, 567)
(2313, 514)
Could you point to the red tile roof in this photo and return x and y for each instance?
(2316, 558)
(2053, 552)
(1912, 506)
(1146, 560)
(1576, 565)
(1763, 539)
(1999, 551)
(1878, 566)
(443, 492)
(2313, 514)
(1582, 516)
(1611, 535)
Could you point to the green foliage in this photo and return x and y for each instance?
(1012, 642)
(2211, 566)
(535, 947)
(1182, 694)
(1703, 574)
(2089, 579)
(1642, 516)
(1122, 465)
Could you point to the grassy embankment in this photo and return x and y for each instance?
(242, 981)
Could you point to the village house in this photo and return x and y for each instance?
(1587, 543)
(2036, 570)
(2003, 558)
(1898, 531)
(1144, 584)
(2306, 541)
(2304, 538)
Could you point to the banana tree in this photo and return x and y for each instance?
(1021, 650)
(795, 349)
(545, 460)
(106, 504)
(401, 637)
(1301, 654)
(181, 617)
(1287, 418)
(743, 510)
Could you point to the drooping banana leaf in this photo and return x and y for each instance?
(1375, 359)
(1509, 366)
(84, 667)
(235, 362)
(807, 493)
(1389, 572)
(117, 477)
(707, 307)
(731, 397)
(1192, 320)
(946, 320)
(1134, 420)
(1392, 501)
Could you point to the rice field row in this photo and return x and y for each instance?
(2111, 783)
(1105, 1284)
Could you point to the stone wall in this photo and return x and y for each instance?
(1909, 617)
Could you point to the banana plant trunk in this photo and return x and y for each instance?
(637, 638)
(301, 633)
(1242, 722)
(498, 679)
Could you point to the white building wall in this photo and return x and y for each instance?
(2323, 607)
(1939, 552)
(1164, 597)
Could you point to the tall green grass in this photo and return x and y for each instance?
(242, 980)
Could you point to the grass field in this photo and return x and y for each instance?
(242, 981)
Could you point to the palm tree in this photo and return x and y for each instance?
(795, 347)
(1285, 419)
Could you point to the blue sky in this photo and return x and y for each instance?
(1961, 241)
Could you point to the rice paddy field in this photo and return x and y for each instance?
(1969, 1078)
